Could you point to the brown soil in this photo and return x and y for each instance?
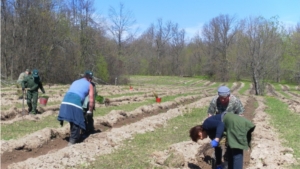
(21, 155)
(236, 87)
(271, 90)
(55, 144)
(285, 88)
(249, 114)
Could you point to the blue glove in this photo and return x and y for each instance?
(214, 143)
(219, 167)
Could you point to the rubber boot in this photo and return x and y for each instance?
(29, 108)
(34, 112)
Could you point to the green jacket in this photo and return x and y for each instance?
(238, 131)
(33, 83)
(86, 100)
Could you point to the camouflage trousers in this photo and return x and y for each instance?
(32, 97)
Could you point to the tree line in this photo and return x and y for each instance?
(63, 38)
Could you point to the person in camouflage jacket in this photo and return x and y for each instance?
(19, 81)
(224, 102)
(33, 84)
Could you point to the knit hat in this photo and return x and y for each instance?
(35, 73)
(223, 91)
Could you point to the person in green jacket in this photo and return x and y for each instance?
(238, 135)
(33, 84)
(19, 82)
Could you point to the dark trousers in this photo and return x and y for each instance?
(89, 121)
(75, 133)
(218, 155)
(235, 158)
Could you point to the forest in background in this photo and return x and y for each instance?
(63, 38)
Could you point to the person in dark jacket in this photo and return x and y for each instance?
(33, 84)
(71, 107)
(238, 135)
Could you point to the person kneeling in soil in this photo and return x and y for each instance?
(71, 106)
(238, 135)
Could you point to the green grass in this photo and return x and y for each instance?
(125, 94)
(286, 123)
(20, 105)
(21, 128)
(163, 80)
(136, 153)
(245, 88)
(278, 89)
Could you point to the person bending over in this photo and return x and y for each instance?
(238, 135)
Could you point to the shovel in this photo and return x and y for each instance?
(23, 109)
(24, 95)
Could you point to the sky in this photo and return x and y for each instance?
(191, 15)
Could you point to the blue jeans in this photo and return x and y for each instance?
(235, 158)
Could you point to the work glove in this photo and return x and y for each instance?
(89, 113)
(219, 167)
(214, 143)
(61, 123)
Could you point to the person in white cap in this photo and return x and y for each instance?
(224, 102)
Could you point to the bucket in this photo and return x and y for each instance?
(43, 101)
(158, 99)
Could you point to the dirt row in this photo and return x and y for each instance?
(110, 120)
(14, 114)
(293, 102)
(111, 138)
(106, 141)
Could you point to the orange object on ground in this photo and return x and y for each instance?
(158, 99)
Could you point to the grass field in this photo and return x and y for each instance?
(136, 151)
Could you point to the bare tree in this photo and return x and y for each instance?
(261, 43)
(163, 34)
(121, 24)
(219, 34)
(177, 46)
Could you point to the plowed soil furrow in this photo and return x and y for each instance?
(56, 144)
(104, 142)
(267, 151)
(14, 114)
(271, 90)
(236, 87)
